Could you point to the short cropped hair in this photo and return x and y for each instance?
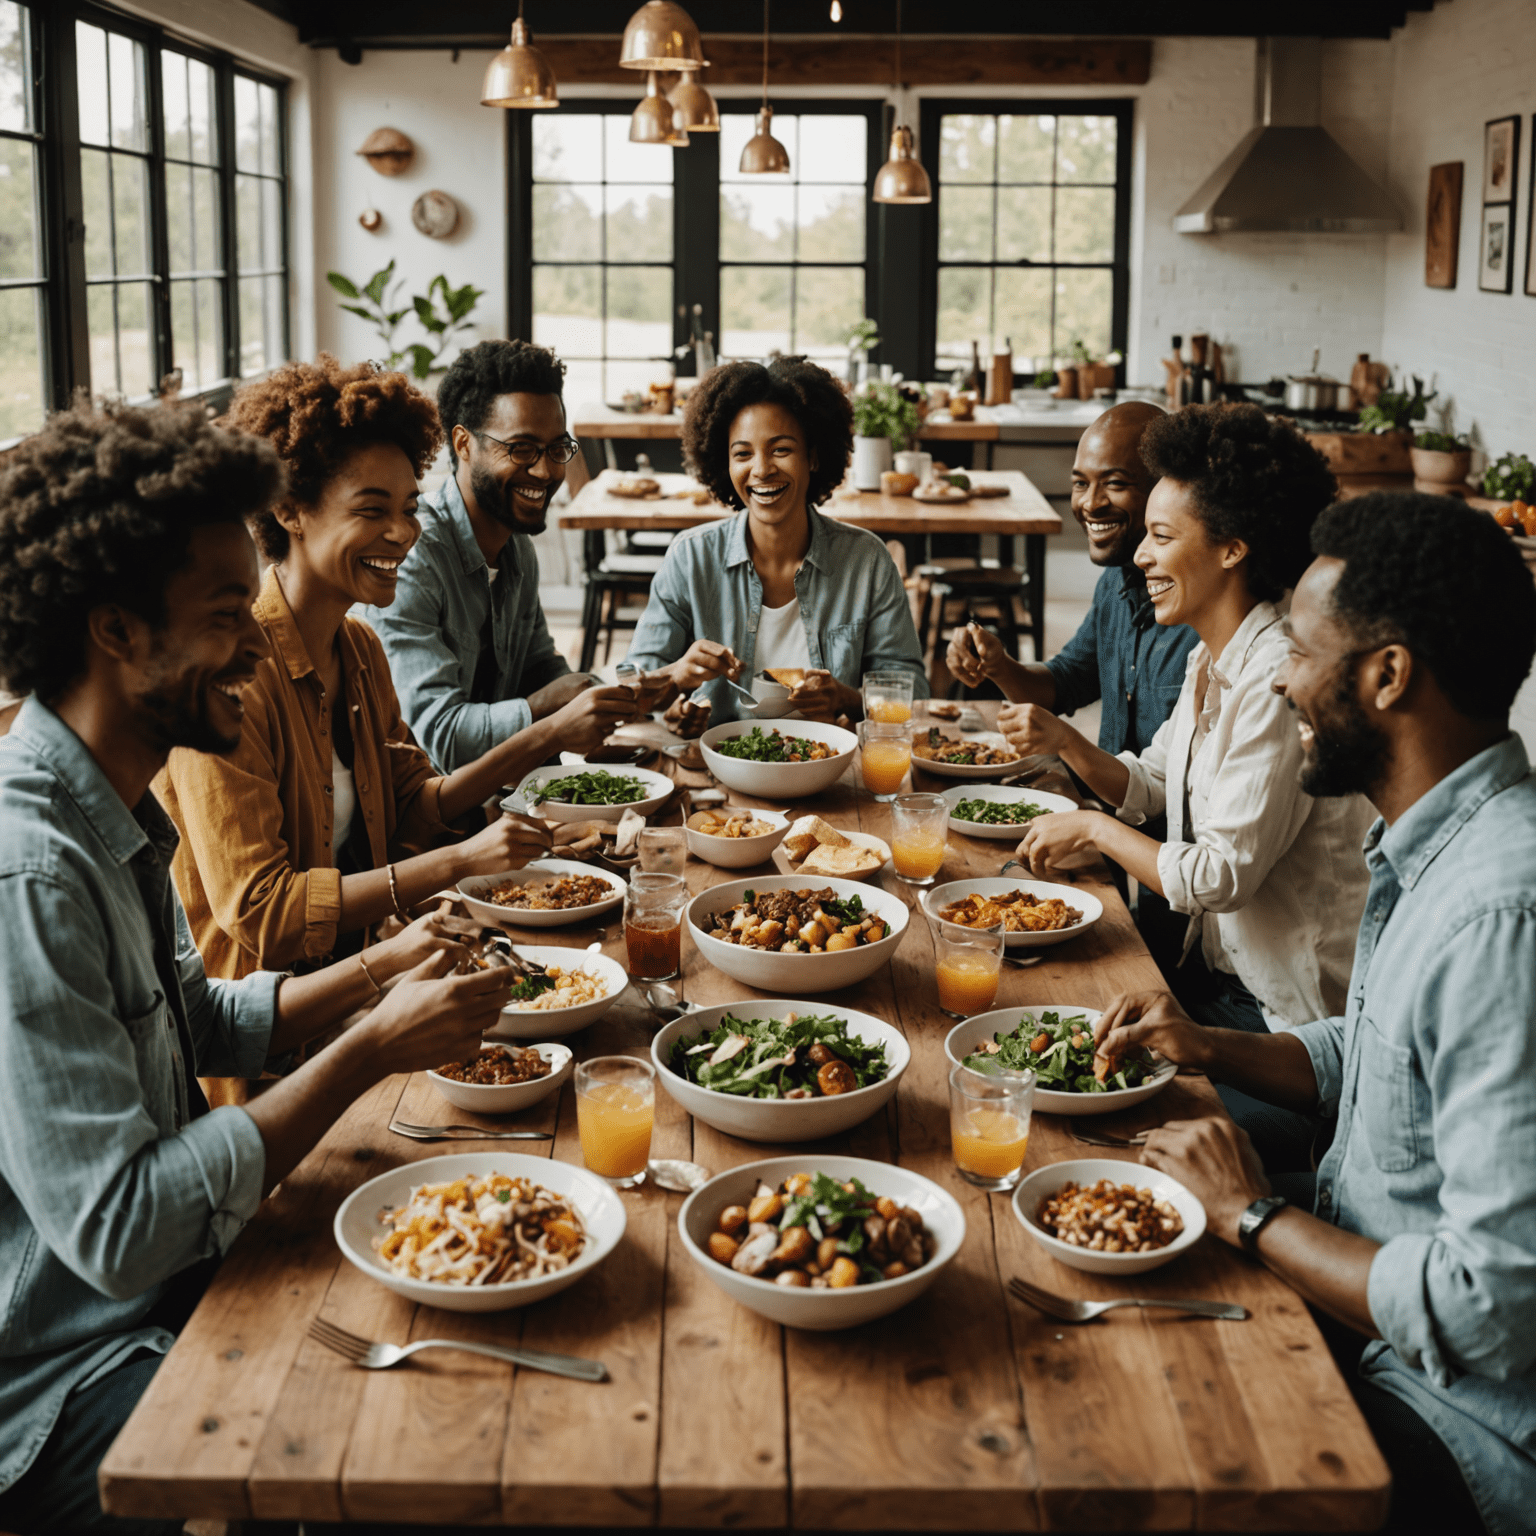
(316, 414)
(1432, 574)
(807, 391)
(1254, 478)
(100, 507)
(479, 374)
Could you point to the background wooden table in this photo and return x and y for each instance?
(966, 1410)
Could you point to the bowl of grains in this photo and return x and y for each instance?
(1108, 1217)
(503, 1079)
(578, 987)
(548, 893)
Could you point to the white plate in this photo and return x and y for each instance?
(868, 840)
(779, 1119)
(969, 770)
(357, 1224)
(507, 1098)
(997, 885)
(828, 1309)
(1044, 1182)
(522, 1024)
(982, 1027)
(1004, 794)
(660, 789)
(472, 889)
(739, 852)
(779, 781)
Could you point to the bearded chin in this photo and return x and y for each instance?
(496, 498)
(181, 716)
(1350, 756)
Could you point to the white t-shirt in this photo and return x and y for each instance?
(781, 638)
(344, 798)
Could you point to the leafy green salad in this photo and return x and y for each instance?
(596, 788)
(1060, 1053)
(758, 746)
(804, 1056)
(998, 813)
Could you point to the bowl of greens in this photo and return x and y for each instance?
(778, 762)
(780, 1071)
(999, 810)
(584, 792)
(535, 1011)
(1055, 1042)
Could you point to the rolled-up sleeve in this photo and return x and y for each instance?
(1324, 1040)
(1147, 793)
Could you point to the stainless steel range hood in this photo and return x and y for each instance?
(1289, 172)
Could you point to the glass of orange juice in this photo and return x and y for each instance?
(888, 697)
(969, 960)
(919, 837)
(615, 1110)
(885, 756)
(989, 1125)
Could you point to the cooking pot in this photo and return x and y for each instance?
(1313, 392)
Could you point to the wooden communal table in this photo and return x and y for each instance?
(966, 1410)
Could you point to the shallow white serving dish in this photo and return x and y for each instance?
(779, 1119)
(601, 1210)
(658, 785)
(555, 1023)
(739, 852)
(982, 1027)
(1005, 794)
(860, 840)
(941, 896)
(1044, 1182)
(472, 889)
(507, 1098)
(779, 781)
(801, 975)
(968, 770)
(825, 1310)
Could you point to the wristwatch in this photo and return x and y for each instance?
(1256, 1218)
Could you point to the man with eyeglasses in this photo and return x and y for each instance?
(468, 645)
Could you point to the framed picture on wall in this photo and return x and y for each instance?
(1496, 270)
(1501, 153)
(1442, 225)
(1530, 226)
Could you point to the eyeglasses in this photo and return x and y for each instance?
(525, 455)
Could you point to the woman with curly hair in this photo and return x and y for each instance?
(328, 818)
(781, 585)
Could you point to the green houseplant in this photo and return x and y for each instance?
(1511, 478)
(377, 300)
(1441, 462)
(884, 419)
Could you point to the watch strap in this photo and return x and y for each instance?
(1256, 1218)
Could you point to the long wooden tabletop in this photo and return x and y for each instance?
(967, 1410)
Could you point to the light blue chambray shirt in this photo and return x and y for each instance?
(852, 604)
(107, 1187)
(1432, 1075)
(431, 634)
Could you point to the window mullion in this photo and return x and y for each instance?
(163, 350)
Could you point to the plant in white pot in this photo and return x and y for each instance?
(859, 338)
(884, 420)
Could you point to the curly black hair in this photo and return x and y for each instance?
(1430, 573)
(1254, 478)
(315, 414)
(469, 388)
(805, 389)
(100, 507)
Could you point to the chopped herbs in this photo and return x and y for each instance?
(809, 1056)
(595, 788)
(1060, 1053)
(998, 813)
(530, 987)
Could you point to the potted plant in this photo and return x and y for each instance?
(1441, 462)
(377, 301)
(1511, 478)
(883, 421)
(860, 338)
(1391, 419)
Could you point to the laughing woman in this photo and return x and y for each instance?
(781, 585)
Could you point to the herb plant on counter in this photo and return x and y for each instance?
(805, 1056)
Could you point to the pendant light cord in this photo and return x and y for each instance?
(765, 52)
(898, 44)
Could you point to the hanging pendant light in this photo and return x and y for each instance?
(693, 108)
(519, 76)
(651, 121)
(902, 178)
(762, 154)
(661, 35)
(837, 10)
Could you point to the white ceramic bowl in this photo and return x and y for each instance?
(1004, 794)
(969, 770)
(772, 699)
(658, 785)
(507, 1098)
(779, 1119)
(979, 1029)
(357, 1225)
(825, 1310)
(941, 896)
(1040, 1185)
(867, 840)
(473, 889)
(801, 975)
(779, 781)
(740, 852)
(522, 1024)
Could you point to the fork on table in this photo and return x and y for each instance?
(1069, 1311)
(463, 1133)
(379, 1357)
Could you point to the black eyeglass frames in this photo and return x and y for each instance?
(561, 451)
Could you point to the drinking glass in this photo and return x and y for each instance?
(989, 1125)
(885, 756)
(968, 963)
(653, 924)
(615, 1110)
(663, 850)
(888, 697)
(919, 836)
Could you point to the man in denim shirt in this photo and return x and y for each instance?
(126, 584)
(1411, 635)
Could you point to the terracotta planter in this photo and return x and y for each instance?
(1066, 384)
(1434, 467)
(1092, 376)
(1364, 453)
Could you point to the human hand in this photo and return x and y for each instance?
(590, 717)
(687, 718)
(1150, 1020)
(431, 1017)
(1050, 839)
(554, 696)
(703, 660)
(507, 843)
(1215, 1161)
(821, 697)
(975, 654)
(1030, 730)
(436, 932)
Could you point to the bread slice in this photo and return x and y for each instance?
(845, 862)
(810, 832)
(788, 677)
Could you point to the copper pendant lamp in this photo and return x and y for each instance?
(762, 154)
(693, 108)
(661, 35)
(902, 178)
(651, 122)
(519, 76)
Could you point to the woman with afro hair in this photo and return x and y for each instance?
(781, 585)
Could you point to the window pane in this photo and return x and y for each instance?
(639, 223)
(567, 147)
(736, 128)
(248, 191)
(568, 310)
(831, 224)
(15, 77)
(967, 144)
(96, 203)
(834, 149)
(130, 204)
(247, 125)
(757, 221)
(567, 222)
(965, 223)
(754, 310)
(203, 140)
(1085, 224)
(827, 301)
(178, 216)
(271, 130)
(125, 59)
(173, 91)
(639, 312)
(623, 377)
(19, 253)
(1086, 150)
(261, 324)
(272, 225)
(1084, 301)
(632, 162)
(91, 83)
(583, 381)
(1024, 146)
(1024, 224)
(1024, 315)
(119, 339)
(21, 373)
(965, 306)
(196, 334)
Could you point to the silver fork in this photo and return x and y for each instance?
(463, 1133)
(1085, 1311)
(1104, 1139)
(379, 1357)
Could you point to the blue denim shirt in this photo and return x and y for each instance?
(107, 1185)
(1432, 1075)
(852, 603)
(431, 634)
(1121, 654)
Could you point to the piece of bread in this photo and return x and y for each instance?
(812, 832)
(844, 862)
(897, 483)
(788, 677)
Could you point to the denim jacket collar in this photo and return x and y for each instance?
(737, 552)
(447, 502)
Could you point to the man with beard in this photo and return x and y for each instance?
(468, 644)
(126, 587)
(1410, 636)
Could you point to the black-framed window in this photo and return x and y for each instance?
(1030, 236)
(24, 269)
(261, 240)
